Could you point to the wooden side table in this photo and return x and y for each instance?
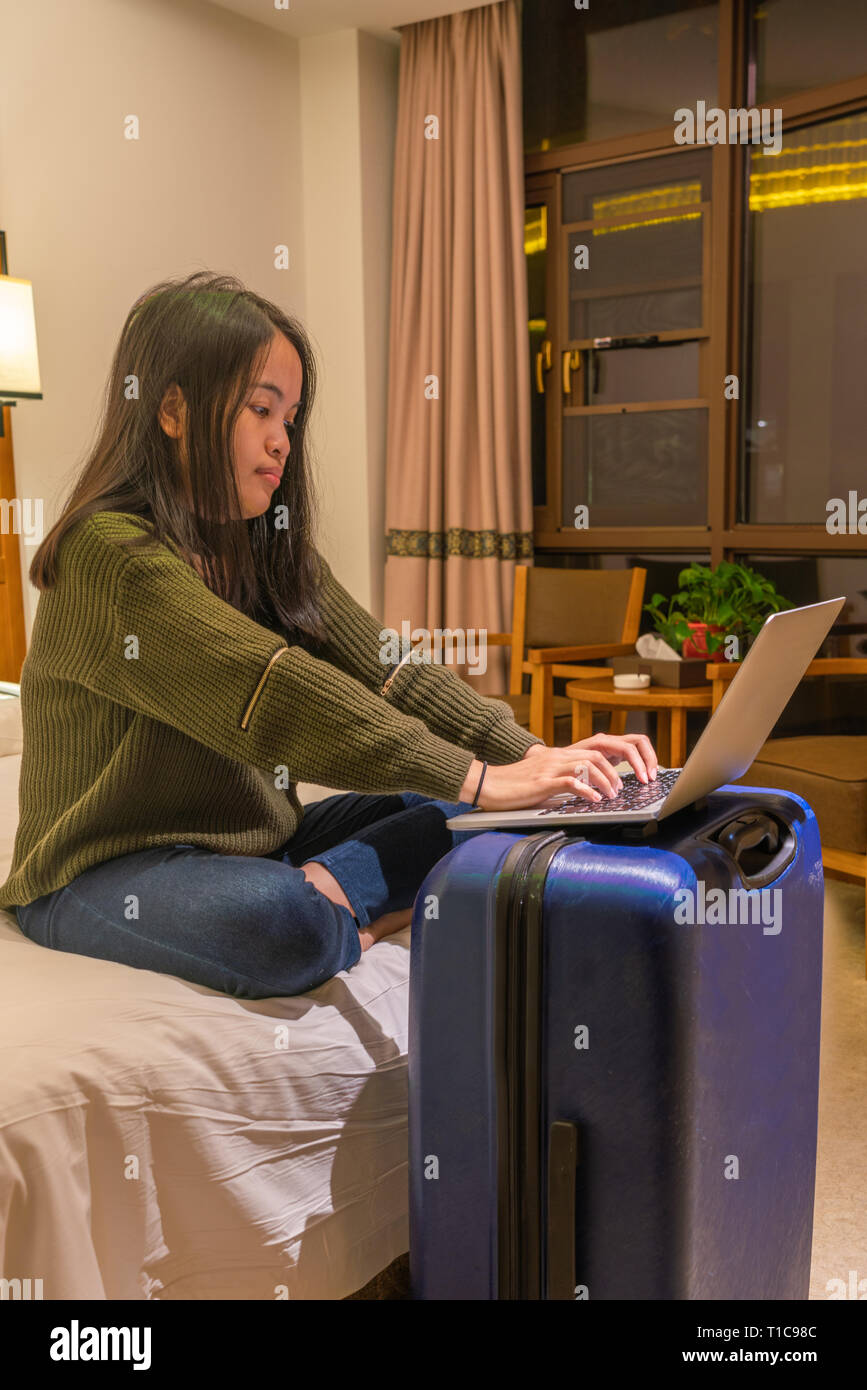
(669, 705)
(721, 673)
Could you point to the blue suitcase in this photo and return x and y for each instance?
(607, 1099)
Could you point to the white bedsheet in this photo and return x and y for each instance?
(162, 1140)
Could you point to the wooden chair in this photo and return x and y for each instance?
(827, 770)
(560, 616)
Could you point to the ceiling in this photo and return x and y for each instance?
(304, 18)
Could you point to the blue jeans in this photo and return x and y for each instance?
(249, 925)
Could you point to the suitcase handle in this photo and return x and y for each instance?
(562, 1169)
(761, 846)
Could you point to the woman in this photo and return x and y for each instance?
(193, 658)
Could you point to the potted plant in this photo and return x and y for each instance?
(712, 605)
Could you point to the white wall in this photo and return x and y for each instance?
(248, 139)
(349, 101)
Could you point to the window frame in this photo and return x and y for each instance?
(723, 536)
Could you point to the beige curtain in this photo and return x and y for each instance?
(459, 511)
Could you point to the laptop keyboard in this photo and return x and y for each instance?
(634, 796)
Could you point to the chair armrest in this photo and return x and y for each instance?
(499, 639)
(544, 656)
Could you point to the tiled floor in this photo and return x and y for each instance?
(840, 1222)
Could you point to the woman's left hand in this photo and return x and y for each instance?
(635, 749)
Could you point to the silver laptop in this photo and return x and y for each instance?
(756, 698)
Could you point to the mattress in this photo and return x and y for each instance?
(162, 1140)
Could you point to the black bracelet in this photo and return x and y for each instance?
(479, 787)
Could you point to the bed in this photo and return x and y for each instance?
(162, 1140)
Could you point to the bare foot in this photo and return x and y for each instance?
(326, 883)
(386, 925)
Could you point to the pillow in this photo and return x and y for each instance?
(11, 730)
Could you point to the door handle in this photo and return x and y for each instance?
(543, 363)
(571, 363)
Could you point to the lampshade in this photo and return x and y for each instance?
(19, 360)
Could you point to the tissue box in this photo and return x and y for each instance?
(675, 674)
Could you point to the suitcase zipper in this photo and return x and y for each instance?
(517, 1048)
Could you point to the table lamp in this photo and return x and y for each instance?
(19, 379)
(19, 359)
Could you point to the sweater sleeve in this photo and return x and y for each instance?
(176, 652)
(432, 692)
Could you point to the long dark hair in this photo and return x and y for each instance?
(211, 336)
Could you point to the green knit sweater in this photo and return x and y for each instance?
(134, 691)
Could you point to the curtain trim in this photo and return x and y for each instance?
(474, 545)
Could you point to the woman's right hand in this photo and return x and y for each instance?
(532, 781)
